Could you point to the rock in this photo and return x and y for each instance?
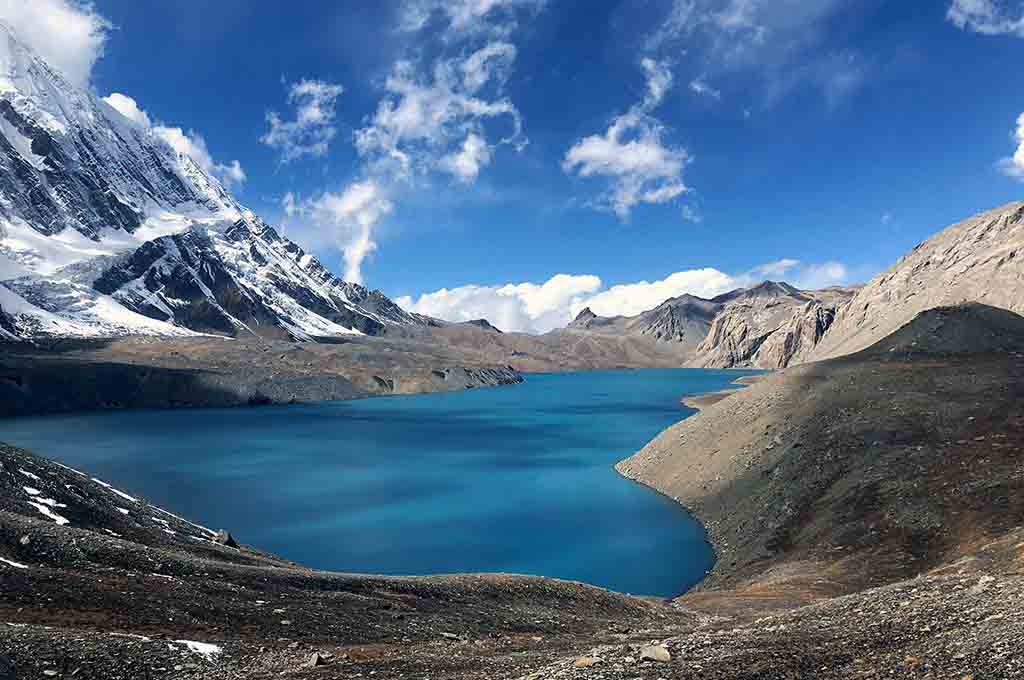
(7, 669)
(587, 661)
(655, 653)
(317, 659)
(224, 537)
(449, 636)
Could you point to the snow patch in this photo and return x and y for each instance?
(30, 491)
(122, 494)
(16, 565)
(56, 517)
(123, 511)
(29, 474)
(204, 649)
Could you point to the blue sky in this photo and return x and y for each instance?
(723, 140)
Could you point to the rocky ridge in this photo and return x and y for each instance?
(976, 260)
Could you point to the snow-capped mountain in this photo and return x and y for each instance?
(107, 230)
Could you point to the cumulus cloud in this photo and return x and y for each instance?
(538, 308)
(632, 154)
(986, 17)
(630, 299)
(465, 163)
(1014, 165)
(461, 17)
(442, 120)
(128, 108)
(443, 116)
(189, 143)
(311, 130)
(69, 35)
(524, 307)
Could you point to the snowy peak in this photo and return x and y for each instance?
(246, 279)
(105, 229)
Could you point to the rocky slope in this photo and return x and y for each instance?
(860, 471)
(77, 375)
(683, 321)
(768, 326)
(98, 583)
(106, 230)
(977, 260)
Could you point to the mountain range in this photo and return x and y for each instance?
(107, 231)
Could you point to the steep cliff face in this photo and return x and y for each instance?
(70, 161)
(106, 230)
(246, 279)
(978, 260)
(768, 326)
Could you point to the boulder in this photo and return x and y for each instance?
(7, 669)
(224, 537)
(586, 661)
(317, 659)
(655, 653)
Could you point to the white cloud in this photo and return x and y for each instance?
(538, 308)
(700, 86)
(462, 17)
(447, 115)
(311, 131)
(525, 307)
(1014, 165)
(345, 219)
(986, 17)
(467, 161)
(631, 153)
(69, 35)
(427, 122)
(814, 276)
(783, 41)
(776, 269)
(128, 108)
(190, 143)
(630, 299)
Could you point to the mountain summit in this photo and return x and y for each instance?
(106, 230)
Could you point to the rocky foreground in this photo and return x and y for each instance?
(867, 513)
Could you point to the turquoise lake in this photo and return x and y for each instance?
(512, 479)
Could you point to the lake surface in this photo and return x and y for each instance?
(515, 479)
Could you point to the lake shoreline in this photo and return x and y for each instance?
(705, 399)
